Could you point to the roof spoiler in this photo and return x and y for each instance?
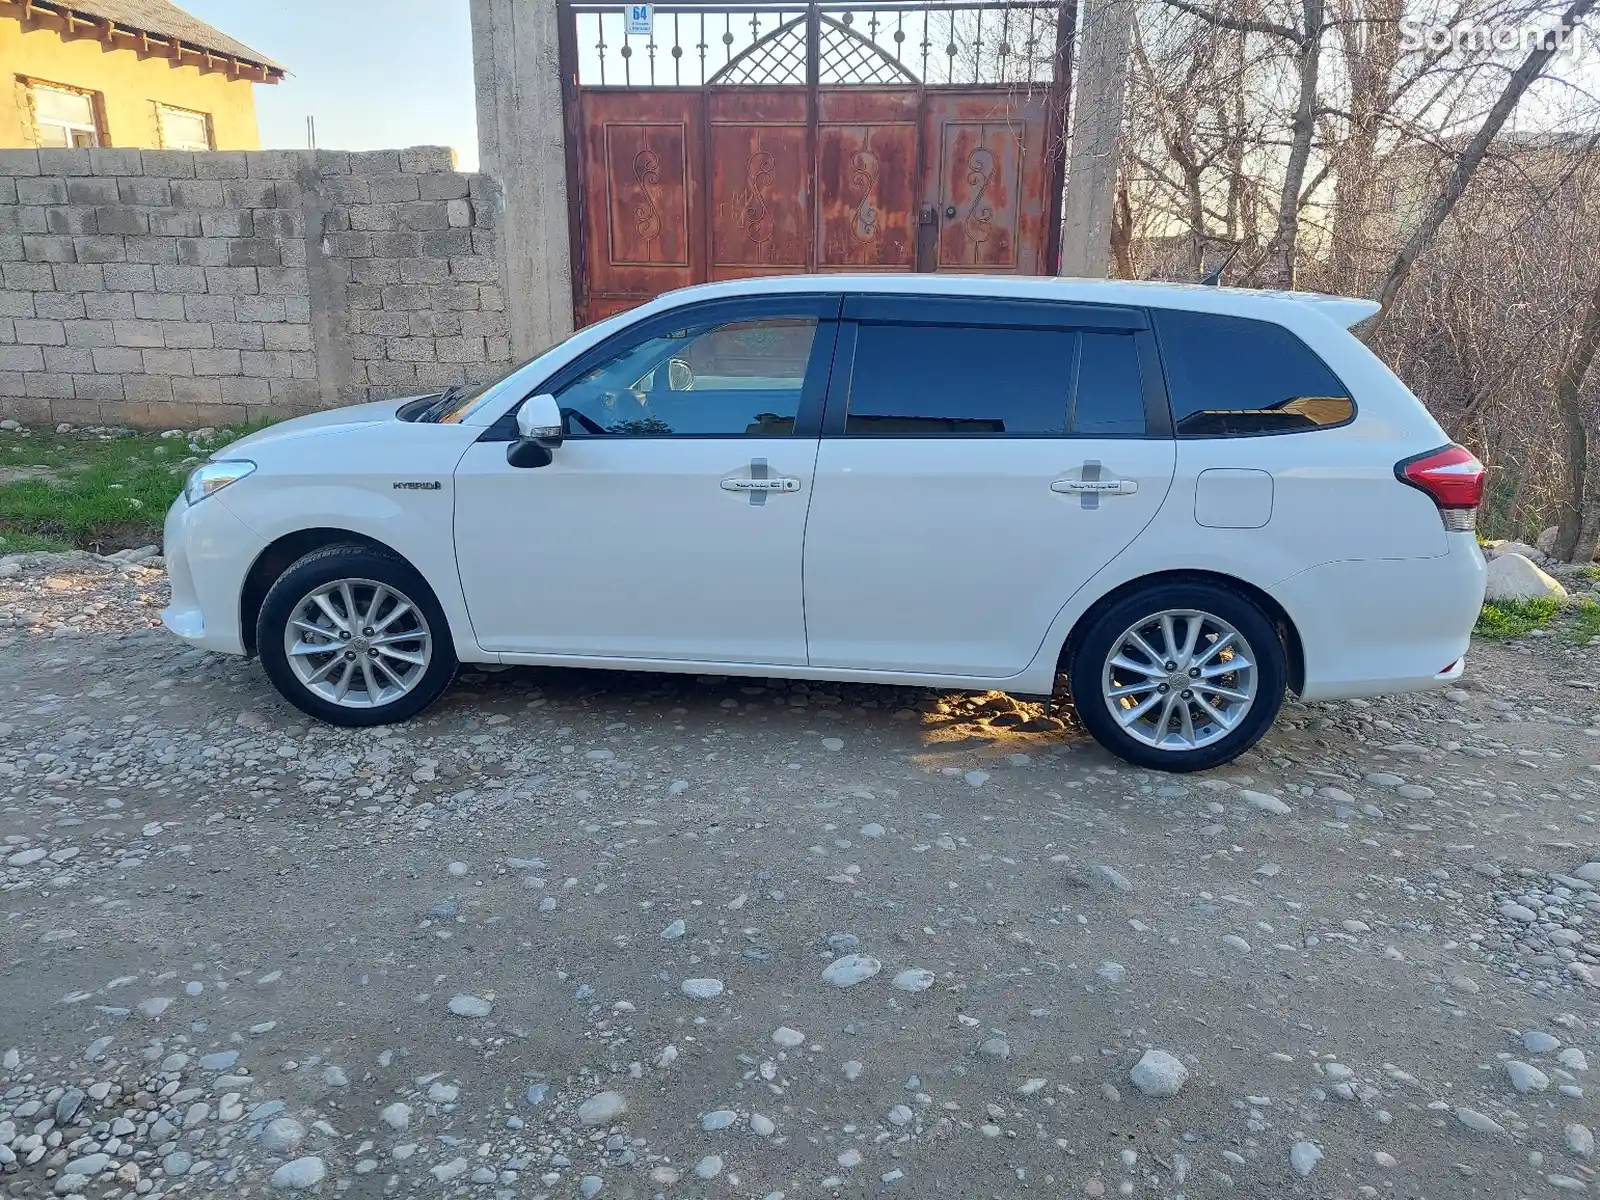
(1348, 311)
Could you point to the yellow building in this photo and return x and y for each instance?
(133, 73)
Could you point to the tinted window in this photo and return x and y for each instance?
(1230, 376)
(992, 381)
(1109, 401)
(735, 377)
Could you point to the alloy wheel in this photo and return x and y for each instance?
(1179, 679)
(358, 643)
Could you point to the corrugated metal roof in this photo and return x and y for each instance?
(165, 19)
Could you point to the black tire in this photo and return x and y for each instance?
(1106, 627)
(349, 561)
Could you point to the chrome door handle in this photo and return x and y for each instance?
(1098, 487)
(785, 483)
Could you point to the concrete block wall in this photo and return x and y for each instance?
(167, 288)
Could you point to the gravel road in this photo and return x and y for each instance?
(574, 934)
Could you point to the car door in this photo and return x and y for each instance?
(980, 461)
(669, 524)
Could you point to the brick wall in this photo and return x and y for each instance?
(161, 288)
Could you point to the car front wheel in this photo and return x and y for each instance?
(1179, 676)
(354, 636)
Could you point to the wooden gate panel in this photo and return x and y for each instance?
(640, 193)
(760, 172)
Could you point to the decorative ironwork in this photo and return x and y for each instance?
(965, 42)
(980, 215)
(754, 217)
(647, 214)
(863, 178)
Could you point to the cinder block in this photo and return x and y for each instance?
(21, 358)
(58, 306)
(97, 387)
(460, 213)
(24, 218)
(175, 222)
(347, 190)
(76, 412)
(237, 335)
(250, 193)
(475, 270)
(141, 334)
(442, 185)
(70, 219)
(157, 306)
(266, 364)
(203, 252)
(217, 361)
(125, 413)
(29, 412)
(295, 391)
(260, 308)
(149, 192)
(100, 249)
(420, 159)
(273, 164)
(118, 218)
(447, 243)
(456, 297)
(297, 309)
(197, 391)
(370, 163)
(381, 324)
(181, 280)
(350, 245)
(332, 162)
(89, 334)
(79, 277)
(483, 324)
(372, 218)
(280, 223)
(411, 349)
(425, 214)
(389, 372)
(108, 306)
(245, 389)
(219, 164)
(303, 364)
(229, 223)
(64, 162)
(435, 324)
(186, 335)
(208, 308)
(105, 161)
(47, 248)
(42, 190)
(232, 281)
(284, 281)
(423, 270)
(117, 360)
(8, 190)
(31, 331)
(27, 277)
(440, 375)
(197, 193)
(16, 304)
(160, 251)
(361, 345)
(169, 164)
(401, 243)
(168, 362)
(403, 296)
(71, 359)
(47, 385)
(292, 253)
(130, 277)
(149, 389)
(92, 191)
(375, 271)
(19, 162)
(287, 337)
(391, 189)
(253, 252)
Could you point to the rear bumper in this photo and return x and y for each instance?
(208, 552)
(1380, 626)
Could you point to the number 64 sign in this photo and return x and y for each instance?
(641, 19)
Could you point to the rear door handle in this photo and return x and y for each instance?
(1097, 487)
(785, 483)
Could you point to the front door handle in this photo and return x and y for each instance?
(1097, 487)
(786, 483)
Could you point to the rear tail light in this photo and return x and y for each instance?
(1452, 477)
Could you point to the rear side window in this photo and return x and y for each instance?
(1230, 377)
(993, 381)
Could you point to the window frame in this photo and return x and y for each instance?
(1164, 353)
(163, 108)
(96, 126)
(873, 308)
(822, 307)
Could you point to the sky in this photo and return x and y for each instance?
(376, 74)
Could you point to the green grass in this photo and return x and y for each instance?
(1582, 620)
(1513, 618)
(64, 491)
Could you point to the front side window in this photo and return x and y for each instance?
(1230, 377)
(724, 379)
(182, 129)
(64, 118)
(993, 381)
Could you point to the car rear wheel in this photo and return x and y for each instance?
(1179, 676)
(354, 636)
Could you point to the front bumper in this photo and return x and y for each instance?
(209, 552)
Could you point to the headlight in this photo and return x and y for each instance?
(213, 477)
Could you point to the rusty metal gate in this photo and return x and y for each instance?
(765, 139)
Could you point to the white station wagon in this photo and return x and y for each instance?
(1188, 500)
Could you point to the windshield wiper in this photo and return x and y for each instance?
(437, 409)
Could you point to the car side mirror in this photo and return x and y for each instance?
(539, 431)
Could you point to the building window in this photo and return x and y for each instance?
(63, 117)
(184, 130)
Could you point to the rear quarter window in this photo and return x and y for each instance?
(1232, 377)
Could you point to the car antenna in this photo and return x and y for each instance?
(1214, 279)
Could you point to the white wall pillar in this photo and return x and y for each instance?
(517, 77)
(1100, 93)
